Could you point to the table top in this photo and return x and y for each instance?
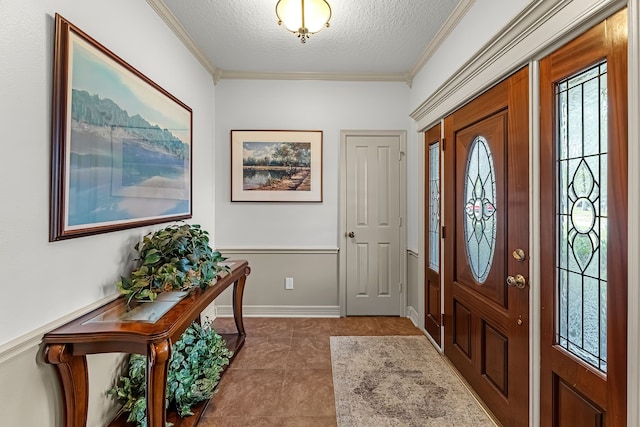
(112, 327)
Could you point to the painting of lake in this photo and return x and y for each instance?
(128, 145)
(276, 166)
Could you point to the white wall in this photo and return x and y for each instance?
(299, 105)
(44, 282)
(414, 198)
(483, 21)
(64, 276)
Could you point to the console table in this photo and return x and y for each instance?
(67, 346)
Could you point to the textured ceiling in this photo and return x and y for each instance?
(365, 36)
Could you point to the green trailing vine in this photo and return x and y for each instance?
(197, 361)
(177, 257)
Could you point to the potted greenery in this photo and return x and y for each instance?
(177, 257)
(197, 361)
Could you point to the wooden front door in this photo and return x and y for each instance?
(373, 223)
(583, 180)
(486, 264)
(432, 294)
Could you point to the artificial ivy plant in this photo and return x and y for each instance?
(197, 361)
(177, 257)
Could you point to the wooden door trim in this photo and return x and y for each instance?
(342, 228)
(605, 40)
(432, 324)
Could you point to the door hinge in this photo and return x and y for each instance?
(400, 221)
(441, 320)
(444, 144)
(443, 232)
(400, 287)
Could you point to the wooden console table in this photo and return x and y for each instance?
(67, 346)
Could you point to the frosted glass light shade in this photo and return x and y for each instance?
(303, 17)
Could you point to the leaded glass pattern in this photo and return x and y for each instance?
(581, 265)
(434, 206)
(480, 208)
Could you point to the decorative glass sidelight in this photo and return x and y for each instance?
(434, 207)
(581, 260)
(480, 208)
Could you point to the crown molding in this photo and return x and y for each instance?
(474, 76)
(449, 25)
(172, 22)
(218, 74)
(363, 77)
(526, 22)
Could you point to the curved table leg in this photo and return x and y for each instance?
(238, 291)
(157, 369)
(74, 378)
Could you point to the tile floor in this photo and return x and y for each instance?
(282, 376)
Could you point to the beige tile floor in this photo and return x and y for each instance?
(282, 376)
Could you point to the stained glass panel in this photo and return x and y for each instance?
(480, 208)
(581, 270)
(434, 206)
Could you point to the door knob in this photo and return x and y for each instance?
(351, 234)
(518, 281)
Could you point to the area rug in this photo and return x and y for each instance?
(398, 381)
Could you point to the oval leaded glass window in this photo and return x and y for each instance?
(480, 208)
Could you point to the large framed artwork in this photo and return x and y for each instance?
(276, 166)
(121, 144)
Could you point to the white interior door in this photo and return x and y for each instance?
(373, 223)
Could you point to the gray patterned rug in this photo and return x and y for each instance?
(398, 381)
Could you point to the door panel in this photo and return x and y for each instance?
(495, 357)
(432, 295)
(486, 152)
(373, 225)
(583, 177)
(462, 328)
(573, 409)
(483, 210)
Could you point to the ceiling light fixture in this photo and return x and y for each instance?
(303, 17)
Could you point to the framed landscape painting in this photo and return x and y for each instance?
(121, 145)
(276, 166)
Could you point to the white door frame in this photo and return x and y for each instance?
(342, 229)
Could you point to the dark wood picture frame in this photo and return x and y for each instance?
(276, 166)
(121, 145)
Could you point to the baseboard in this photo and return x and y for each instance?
(412, 314)
(280, 311)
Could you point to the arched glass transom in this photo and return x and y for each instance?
(480, 208)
